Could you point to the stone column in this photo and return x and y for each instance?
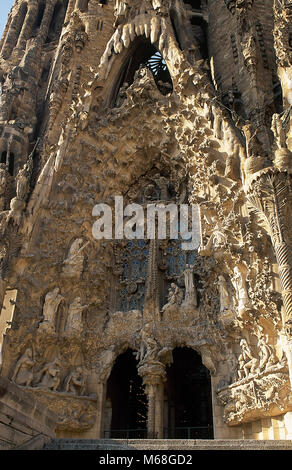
(288, 424)
(70, 8)
(159, 405)
(101, 397)
(271, 197)
(153, 375)
(151, 394)
(28, 24)
(151, 311)
(14, 31)
(5, 32)
(46, 21)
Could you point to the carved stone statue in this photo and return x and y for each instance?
(22, 182)
(278, 131)
(253, 145)
(191, 292)
(225, 299)
(23, 373)
(249, 52)
(75, 382)
(122, 96)
(239, 283)
(49, 376)
(50, 308)
(232, 365)
(3, 185)
(248, 364)
(73, 264)
(267, 354)
(216, 241)
(149, 347)
(162, 183)
(17, 204)
(175, 296)
(74, 321)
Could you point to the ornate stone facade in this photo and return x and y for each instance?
(175, 102)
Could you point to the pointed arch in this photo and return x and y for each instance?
(140, 52)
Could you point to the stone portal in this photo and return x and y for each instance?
(188, 401)
(126, 403)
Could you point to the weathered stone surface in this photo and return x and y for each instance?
(25, 421)
(172, 102)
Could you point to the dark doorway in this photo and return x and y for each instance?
(128, 402)
(188, 399)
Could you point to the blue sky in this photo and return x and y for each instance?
(5, 7)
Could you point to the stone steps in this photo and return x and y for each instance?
(167, 444)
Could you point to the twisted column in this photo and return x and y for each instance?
(284, 260)
(271, 198)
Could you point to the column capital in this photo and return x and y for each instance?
(152, 373)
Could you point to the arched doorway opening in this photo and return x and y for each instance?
(126, 402)
(188, 398)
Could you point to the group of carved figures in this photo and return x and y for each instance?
(176, 295)
(49, 377)
(248, 364)
(22, 183)
(72, 267)
(238, 281)
(74, 322)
